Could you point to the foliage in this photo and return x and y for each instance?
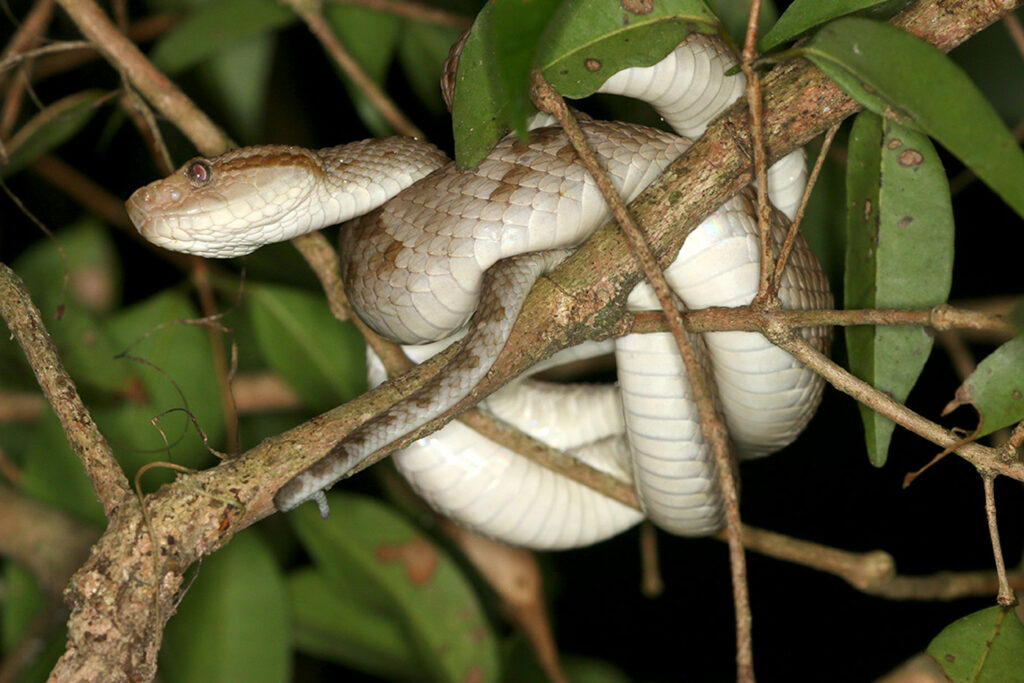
(122, 323)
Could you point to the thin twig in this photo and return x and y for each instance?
(26, 325)
(980, 456)
(18, 49)
(318, 26)
(27, 34)
(874, 572)
(712, 426)
(140, 72)
(794, 227)
(1013, 444)
(1006, 597)
(766, 296)
(651, 583)
(215, 336)
(414, 10)
(940, 318)
(1013, 26)
(959, 353)
(142, 31)
(16, 59)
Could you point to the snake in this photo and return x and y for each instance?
(431, 252)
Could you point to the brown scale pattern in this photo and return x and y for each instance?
(413, 267)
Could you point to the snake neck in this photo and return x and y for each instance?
(234, 203)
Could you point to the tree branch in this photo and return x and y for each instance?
(26, 325)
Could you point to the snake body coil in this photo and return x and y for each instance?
(432, 244)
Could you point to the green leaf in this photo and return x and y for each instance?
(332, 620)
(215, 26)
(478, 109)
(49, 129)
(590, 40)
(584, 43)
(803, 15)
(402, 574)
(322, 359)
(996, 388)
(371, 38)
(233, 623)
(899, 255)
(903, 78)
(422, 49)
(984, 647)
(517, 34)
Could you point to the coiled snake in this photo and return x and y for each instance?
(428, 244)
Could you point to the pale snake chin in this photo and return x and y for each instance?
(429, 244)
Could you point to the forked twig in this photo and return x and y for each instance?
(794, 227)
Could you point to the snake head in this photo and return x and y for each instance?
(232, 204)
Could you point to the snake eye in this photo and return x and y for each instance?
(198, 171)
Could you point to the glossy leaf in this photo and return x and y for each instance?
(478, 110)
(899, 255)
(585, 43)
(370, 37)
(232, 625)
(903, 78)
(49, 129)
(996, 388)
(590, 40)
(984, 647)
(803, 15)
(321, 358)
(213, 27)
(406, 577)
(333, 620)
